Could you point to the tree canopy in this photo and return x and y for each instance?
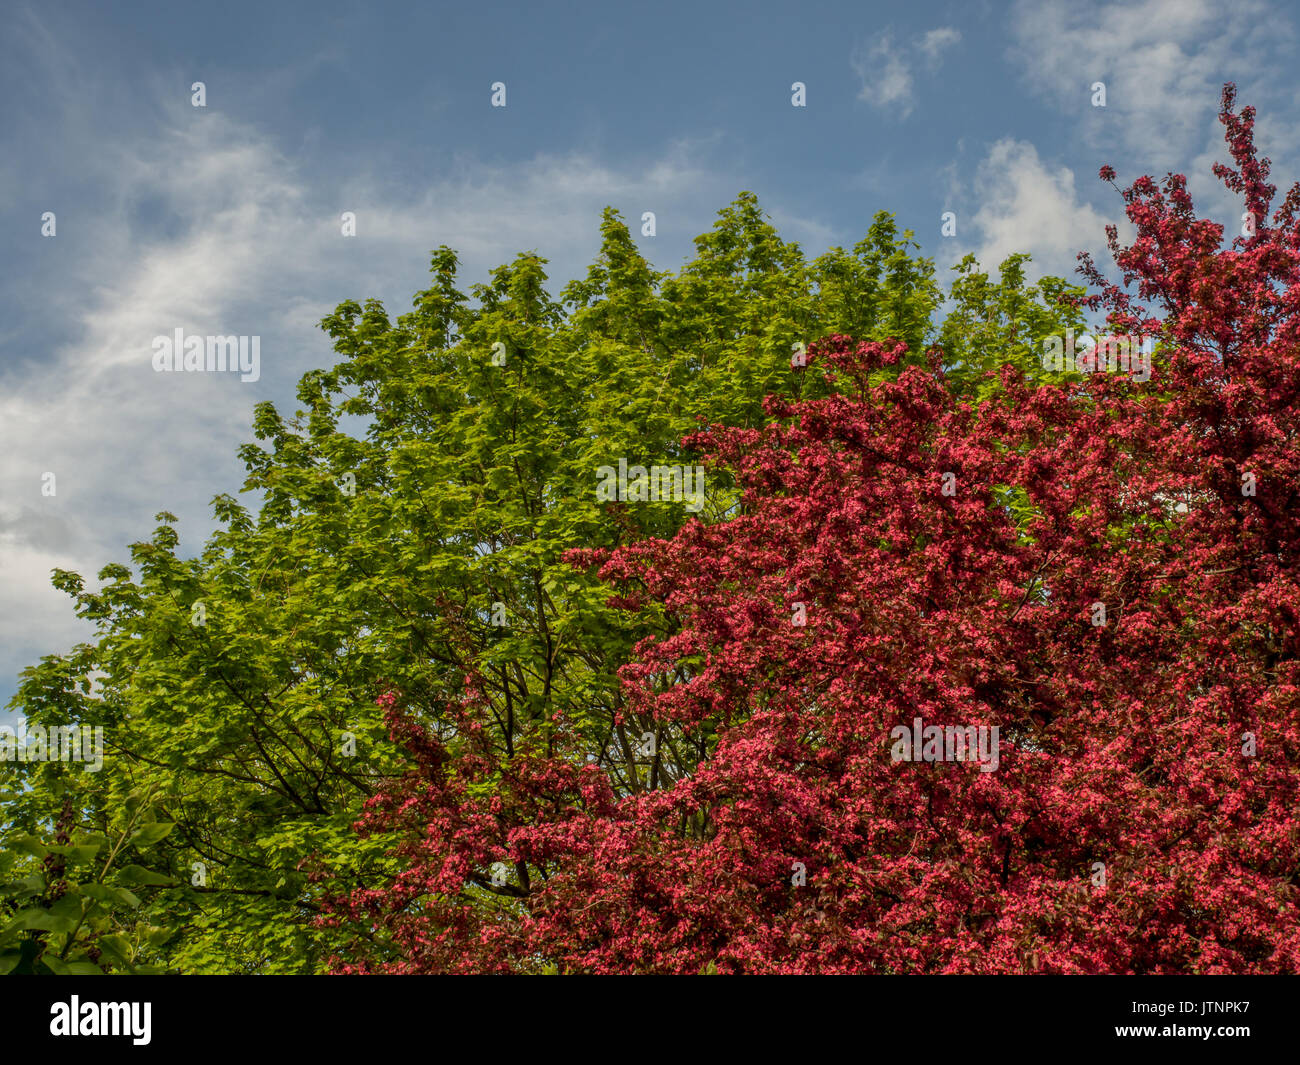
(407, 542)
(1100, 571)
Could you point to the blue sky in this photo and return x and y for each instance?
(225, 219)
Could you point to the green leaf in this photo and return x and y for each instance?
(116, 946)
(110, 893)
(156, 936)
(39, 920)
(77, 854)
(31, 845)
(147, 835)
(139, 876)
(71, 968)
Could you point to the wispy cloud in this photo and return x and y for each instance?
(934, 43)
(1162, 62)
(1019, 203)
(885, 67)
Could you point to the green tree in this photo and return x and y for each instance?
(412, 516)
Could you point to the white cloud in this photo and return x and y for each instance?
(886, 77)
(1019, 203)
(886, 68)
(934, 43)
(1163, 63)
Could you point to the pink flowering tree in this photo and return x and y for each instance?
(996, 686)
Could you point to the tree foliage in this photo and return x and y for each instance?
(429, 486)
(1133, 630)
